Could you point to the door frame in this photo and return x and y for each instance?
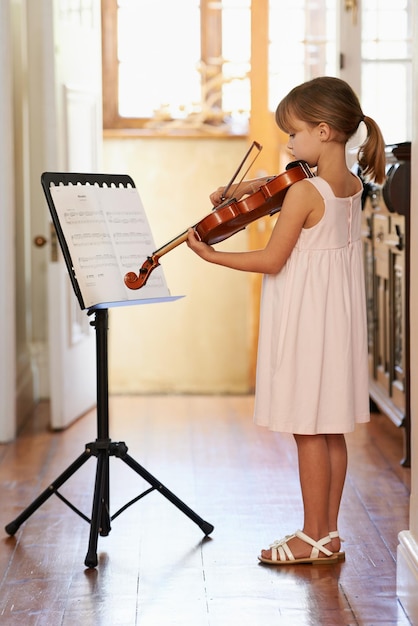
(7, 235)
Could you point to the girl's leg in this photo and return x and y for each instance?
(322, 470)
(315, 481)
(337, 451)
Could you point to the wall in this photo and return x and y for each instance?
(201, 343)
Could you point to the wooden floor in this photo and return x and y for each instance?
(156, 568)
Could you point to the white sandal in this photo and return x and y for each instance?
(341, 554)
(281, 554)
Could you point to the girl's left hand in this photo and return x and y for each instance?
(199, 247)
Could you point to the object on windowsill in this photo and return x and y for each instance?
(205, 117)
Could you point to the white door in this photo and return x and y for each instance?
(73, 106)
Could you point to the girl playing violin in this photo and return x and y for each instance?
(312, 366)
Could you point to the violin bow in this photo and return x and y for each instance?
(254, 145)
(136, 281)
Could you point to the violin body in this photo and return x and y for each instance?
(230, 218)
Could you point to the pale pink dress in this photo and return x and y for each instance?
(312, 368)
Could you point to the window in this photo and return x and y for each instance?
(306, 49)
(185, 66)
(386, 72)
(176, 65)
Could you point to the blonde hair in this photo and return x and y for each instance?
(332, 100)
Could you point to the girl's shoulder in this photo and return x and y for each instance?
(306, 200)
(307, 191)
(307, 187)
(347, 187)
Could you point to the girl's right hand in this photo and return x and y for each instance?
(237, 191)
(217, 196)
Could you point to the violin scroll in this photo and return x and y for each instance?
(133, 281)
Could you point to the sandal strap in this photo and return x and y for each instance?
(317, 546)
(280, 551)
(334, 534)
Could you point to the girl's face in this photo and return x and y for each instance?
(304, 142)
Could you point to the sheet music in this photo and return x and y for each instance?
(107, 234)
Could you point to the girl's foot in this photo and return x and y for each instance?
(298, 548)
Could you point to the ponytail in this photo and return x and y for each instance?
(371, 156)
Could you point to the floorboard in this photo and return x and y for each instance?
(155, 567)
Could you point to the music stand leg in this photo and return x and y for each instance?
(205, 526)
(14, 526)
(100, 519)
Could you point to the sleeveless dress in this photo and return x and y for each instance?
(312, 366)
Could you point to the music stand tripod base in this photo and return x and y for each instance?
(103, 448)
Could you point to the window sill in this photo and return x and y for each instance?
(167, 133)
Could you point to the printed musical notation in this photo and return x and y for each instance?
(107, 234)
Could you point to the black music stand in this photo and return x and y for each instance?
(103, 447)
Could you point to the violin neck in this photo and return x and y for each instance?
(171, 244)
(183, 236)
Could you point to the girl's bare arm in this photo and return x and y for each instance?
(301, 201)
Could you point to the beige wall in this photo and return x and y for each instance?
(200, 344)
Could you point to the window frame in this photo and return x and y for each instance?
(211, 50)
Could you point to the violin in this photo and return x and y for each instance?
(229, 218)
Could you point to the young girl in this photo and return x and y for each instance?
(312, 368)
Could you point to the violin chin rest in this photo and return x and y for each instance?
(293, 164)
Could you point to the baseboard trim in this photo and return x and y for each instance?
(407, 575)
